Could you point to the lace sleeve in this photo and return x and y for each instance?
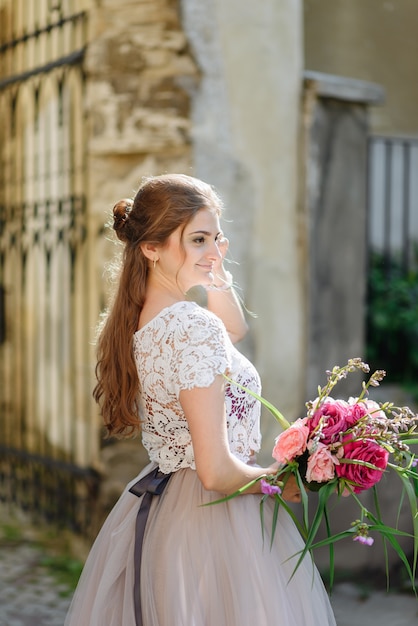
(200, 350)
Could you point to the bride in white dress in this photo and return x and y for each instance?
(161, 366)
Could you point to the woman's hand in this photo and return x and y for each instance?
(291, 491)
(221, 276)
(223, 245)
(222, 299)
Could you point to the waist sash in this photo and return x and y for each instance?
(153, 484)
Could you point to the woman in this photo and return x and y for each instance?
(161, 365)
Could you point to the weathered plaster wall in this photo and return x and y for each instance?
(337, 130)
(245, 136)
(138, 113)
(137, 107)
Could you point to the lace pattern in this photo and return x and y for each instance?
(186, 346)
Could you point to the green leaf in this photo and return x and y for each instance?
(411, 495)
(304, 501)
(274, 522)
(263, 499)
(333, 539)
(323, 496)
(236, 493)
(300, 527)
(389, 533)
(275, 412)
(385, 549)
(331, 550)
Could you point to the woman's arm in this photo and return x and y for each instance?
(218, 469)
(223, 300)
(226, 305)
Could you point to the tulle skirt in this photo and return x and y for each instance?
(201, 566)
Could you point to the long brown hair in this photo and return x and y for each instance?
(161, 205)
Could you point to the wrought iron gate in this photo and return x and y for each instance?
(393, 200)
(47, 438)
(392, 298)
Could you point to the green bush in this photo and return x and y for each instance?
(392, 322)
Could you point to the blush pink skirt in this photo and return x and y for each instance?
(201, 566)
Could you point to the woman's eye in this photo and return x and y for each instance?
(199, 240)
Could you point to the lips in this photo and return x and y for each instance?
(206, 268)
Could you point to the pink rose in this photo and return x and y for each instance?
(363, 450)
(321, 465)
(373, 409)
(356, 411)
(332, 415)
(291, 442)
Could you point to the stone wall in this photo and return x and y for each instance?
(138, 63)
(138, 109)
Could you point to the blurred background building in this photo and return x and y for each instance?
(302, 114)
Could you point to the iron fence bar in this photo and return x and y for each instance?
(397, 158)
(69, 59)
(406, 206)
(60, 492)
(40, 31)
(387, 205)
(49, 462)
(368, 203)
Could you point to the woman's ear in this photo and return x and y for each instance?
(149, 250)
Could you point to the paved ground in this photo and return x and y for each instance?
(30, 595)
(33, 592)
(378, 608)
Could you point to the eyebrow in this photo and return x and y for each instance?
(204, 232)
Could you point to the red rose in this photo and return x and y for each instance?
(332, 414)
(362, 450)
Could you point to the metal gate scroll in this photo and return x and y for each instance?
(47, 441)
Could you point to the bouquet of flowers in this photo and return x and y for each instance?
(344, 447)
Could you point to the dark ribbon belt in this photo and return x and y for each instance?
(153, 484)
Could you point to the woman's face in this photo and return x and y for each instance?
(191, 256)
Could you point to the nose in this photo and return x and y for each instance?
(214, 252)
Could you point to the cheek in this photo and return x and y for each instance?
(189, 256)
(177, 256)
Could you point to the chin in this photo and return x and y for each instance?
(205, 280)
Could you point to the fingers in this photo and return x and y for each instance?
(223, 245)
(291, 491)
(292, 496)
(296, 497)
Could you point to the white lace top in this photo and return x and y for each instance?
(186, 346)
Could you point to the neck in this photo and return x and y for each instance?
(157, 298)
(159, 288)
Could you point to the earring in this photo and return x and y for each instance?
(154, 262)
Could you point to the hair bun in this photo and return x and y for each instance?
(121, 212)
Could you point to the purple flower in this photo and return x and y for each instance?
(367, 541)
(268, 489)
